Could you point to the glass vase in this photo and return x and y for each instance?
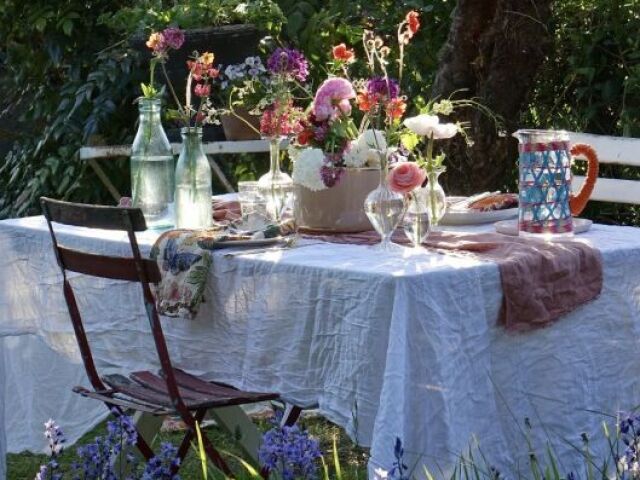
(437, 199)
(384, 208)
(152, 167)
(416, 220)
(275, 185)
(193, 183)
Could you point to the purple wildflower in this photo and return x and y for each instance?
(289, 62)
(291, 451)
(331, 175)
(161, 467)
(173, 37)
(55, 435)
(382, 87)
(399, 470)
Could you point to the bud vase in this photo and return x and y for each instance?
(416, 220)
(275, 185)
(193, 183)
(437, 200)
(384, 208)
(152, 167)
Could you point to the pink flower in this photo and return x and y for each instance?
(332, 99)
(405, 177)
(202, 90)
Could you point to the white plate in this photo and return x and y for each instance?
(472, 217)
(510, 227)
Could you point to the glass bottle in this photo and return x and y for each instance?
(193, 183)
(436, 198)
(416, 220)
(152, 167)
(384, 208)
(275, 185)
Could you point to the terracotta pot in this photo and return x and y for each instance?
(230, 44)
(237, 129)
(340, 208)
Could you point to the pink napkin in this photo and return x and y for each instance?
(541, 281)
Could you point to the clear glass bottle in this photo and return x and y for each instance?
(416, 220)
(436, 198)
(193, 183)
(384, 208)
(152, 167)
(276, 186)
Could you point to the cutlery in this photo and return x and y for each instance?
(288, 245)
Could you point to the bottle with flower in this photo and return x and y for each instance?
(380, 99)
(427, 127)
(281, 120)
(152, 162)
(193, 173)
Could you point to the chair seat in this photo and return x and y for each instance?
(148, 392)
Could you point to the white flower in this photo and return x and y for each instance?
(354, 157)
(380, 474)
(372, 139)
(373, 158)
(241, 9)
(306, 169)
(430, 126)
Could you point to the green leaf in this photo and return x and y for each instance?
(67, 27)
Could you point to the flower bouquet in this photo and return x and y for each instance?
(336, 164)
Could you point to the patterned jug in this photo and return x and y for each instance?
(547, 205)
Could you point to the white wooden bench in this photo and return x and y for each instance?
(91, 154)
(612, 150)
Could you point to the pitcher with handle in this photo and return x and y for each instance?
(547, 205)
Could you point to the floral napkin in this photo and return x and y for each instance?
(184, 258)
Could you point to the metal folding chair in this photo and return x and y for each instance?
(170, 392)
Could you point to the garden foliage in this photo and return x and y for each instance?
(68, 79)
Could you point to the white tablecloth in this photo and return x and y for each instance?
(389, 345)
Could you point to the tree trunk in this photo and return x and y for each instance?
(494, 50)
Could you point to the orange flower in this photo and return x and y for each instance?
(343, 54)
(396, 108)
(365, 101)
(413, 21)
(155, 39)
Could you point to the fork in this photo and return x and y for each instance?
(289, 243)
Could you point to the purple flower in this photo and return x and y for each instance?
(289, 62)
(331, 175)
(382, 87)
(173, 37)
(55, 435)
(291, 451)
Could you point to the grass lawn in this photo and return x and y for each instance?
(353, 460)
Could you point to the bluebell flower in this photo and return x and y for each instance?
(290, 451)
(399, 469)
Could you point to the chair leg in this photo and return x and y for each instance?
(212, 453)
(291, 415)
(141, 443)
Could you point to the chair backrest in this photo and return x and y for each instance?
(612, 150)
(133, 269)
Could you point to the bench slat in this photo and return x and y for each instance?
(621, 150)
(612, 190)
